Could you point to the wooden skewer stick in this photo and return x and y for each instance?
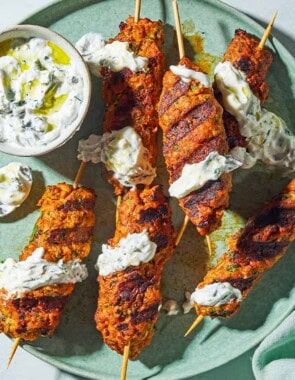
(181, 55)
(75, 185)
(181, 231)
(125, 362)
(79, 174)
(197, 321)
(13, 351)
(209, 244)
(265, 36)
(119, 199)
(267, 31)
(137, 10)
(178, 29)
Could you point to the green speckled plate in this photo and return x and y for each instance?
(76, 346)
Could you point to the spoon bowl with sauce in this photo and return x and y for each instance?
(45, 90)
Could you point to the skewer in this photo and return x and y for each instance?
(209, 245)
(75, 185)
(13, 351)
(265, 36)
(125, 362)
(79, 174)
(181, 231)
(137, 10)
(197, 321)
(181, 55)
(267, 31)
(119, 199)
(178, 29)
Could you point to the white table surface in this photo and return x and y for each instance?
(27, 367)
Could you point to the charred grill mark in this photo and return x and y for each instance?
(78, 205)
(190, 121)
(144, 315)
(207, 221)
(64, 236)
(203, 223)
(232, 142)
(151, 214)
(122, 26)
(24, 303)
(241, 283)
(180, 88)
(136, 284)
(53, 303)
(20, 330)
(276, 216)
(46, 304)
(234, 137)
(207, 147)
(261, 250)
(119, 77)
(121, 109)
(204, 195)
(122, 327)
(243, 64)
(242, 52)
(195, 156)
(161, 241)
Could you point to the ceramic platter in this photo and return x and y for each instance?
(76, 346)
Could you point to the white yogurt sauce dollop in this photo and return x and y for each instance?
(187, 75)
(131, 251)
(216, 294)
(123, 153)
(115, 56)
(195, 176)
(268, 137)
(19, 277)
(39, 96)
(15, 186)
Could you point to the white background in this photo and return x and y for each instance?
(25, 366)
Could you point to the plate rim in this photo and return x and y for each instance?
(219, 4)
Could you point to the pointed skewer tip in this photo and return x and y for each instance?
(267, 31)
(181, 231)
(196, 322)
(13, 351)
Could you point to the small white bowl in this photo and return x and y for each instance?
(29, 31)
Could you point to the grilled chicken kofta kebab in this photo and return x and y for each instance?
(129, 292)
(254, 133)
(130, 270)
(131, 265)
(131, 97)
(243, 54)
(194, 143)
(34, 290)
(132, 72)
(255, 249)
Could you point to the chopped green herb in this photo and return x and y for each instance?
(35, 228)
(232, 268)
